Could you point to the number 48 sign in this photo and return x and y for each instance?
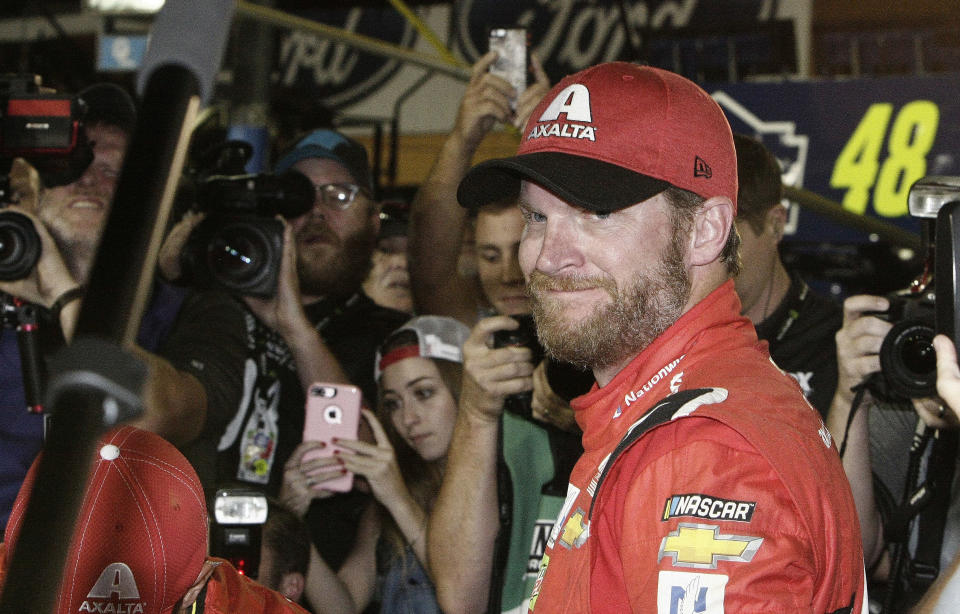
(860, 142)
(861, 166)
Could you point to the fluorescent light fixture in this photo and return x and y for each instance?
(124, 6)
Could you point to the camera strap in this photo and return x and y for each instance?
(941, 466)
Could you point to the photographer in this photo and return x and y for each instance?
(256, 355)
(68, 220)
(890, 447)
(944, 594)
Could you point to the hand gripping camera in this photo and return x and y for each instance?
(907, 358)
(238, 246)
(46, 130)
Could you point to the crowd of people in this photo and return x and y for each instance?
(689, 429)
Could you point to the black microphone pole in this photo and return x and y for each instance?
(94, 381)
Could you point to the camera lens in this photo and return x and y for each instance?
(908, 360)
(238, 256)
(918, 355)
(19, 246)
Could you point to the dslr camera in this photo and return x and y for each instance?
(238, 246)
(46, 130)
(907, 359)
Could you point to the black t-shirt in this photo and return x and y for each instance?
(801, 333)
(255, 401)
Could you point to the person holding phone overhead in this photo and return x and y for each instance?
(418, 371)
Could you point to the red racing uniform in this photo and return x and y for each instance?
(229, 592)
(708, 485)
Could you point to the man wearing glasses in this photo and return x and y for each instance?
(255, 356)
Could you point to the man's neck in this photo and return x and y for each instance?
(771, 296)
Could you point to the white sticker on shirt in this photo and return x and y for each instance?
(681, 592)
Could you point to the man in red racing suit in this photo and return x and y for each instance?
(708, 484)
(735, 501)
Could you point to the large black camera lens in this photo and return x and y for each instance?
(908, 360)
(240, 256)
(19, 246)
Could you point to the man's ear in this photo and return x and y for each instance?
(711, 227)
(194, 591)
(776, 219)
(291, 585)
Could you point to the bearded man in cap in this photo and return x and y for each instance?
(69, 219)
(707, 482)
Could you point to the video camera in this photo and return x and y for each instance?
(46, 130)
(238, 246)
(907, 358)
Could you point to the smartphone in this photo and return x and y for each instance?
(511, 64)
(333, 410)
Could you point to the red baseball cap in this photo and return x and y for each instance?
(141, 536)
(614, 135)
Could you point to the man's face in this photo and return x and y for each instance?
(603, 286)
(498, 232)
(333, 247)
(75, 213)
(388, 283)
(758, 254)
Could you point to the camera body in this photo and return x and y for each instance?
(523, 336)
(238, 246)
(46, 130)
(908, 362)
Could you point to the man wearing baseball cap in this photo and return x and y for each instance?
(69, 213)
(707, 483)
(140, 544)
(255, 357)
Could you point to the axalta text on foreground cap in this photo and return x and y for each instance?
(141, 536)
(614, 135)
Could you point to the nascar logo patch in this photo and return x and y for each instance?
(696, 505)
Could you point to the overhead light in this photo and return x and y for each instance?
(123, 6)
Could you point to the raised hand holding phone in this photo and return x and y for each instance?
(332, 412)
(511, 63)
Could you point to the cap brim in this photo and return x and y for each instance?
(585, 182)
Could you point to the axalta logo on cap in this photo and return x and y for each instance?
(573, 101)
(116, 584)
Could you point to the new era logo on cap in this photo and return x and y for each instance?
(701, 168)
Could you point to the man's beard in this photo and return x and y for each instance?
(616, 331)
(340, 273)
(76, 248)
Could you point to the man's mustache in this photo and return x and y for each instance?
(540, 282)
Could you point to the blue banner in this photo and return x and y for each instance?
(860, 142)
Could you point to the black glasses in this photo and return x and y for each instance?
(337, 196)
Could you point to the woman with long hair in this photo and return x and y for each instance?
(418, 372)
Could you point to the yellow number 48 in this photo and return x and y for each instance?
(911, 138)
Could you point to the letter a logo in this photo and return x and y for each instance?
(115, 578)
(574, 100)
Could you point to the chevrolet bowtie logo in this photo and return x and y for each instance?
(701, 546)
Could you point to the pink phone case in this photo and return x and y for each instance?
(333, 410)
